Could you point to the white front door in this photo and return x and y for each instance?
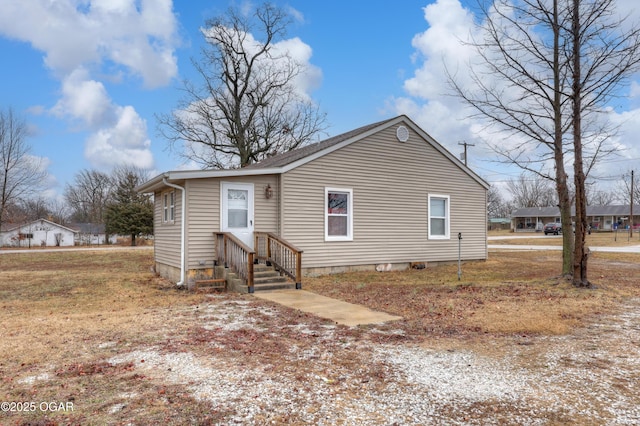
(236, 210)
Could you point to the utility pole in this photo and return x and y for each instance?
(465, 150)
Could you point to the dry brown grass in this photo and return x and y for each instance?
(511, 293)
(51, 300)
(65, 314)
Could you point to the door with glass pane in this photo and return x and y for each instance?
(236, 213)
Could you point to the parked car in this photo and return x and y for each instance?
(552, 228)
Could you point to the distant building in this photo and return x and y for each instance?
(601, 218)
(92, 234)
(37, 233)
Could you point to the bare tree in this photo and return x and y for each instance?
(21, 174)
(519, 89)
(497, 206)
(59, 211)
(530, 190)
(602, 57)
(530, 87)
(625, 188)
(38, 207)
(600, 197)
(89, 195)
(247, 107)
(35, 208)
(125, 172)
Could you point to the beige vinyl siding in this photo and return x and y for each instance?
(167, 234)
(203, 218)
(391, 182)
(203, 214)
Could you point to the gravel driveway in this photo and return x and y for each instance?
(254, 369)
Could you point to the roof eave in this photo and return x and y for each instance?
(157, 182)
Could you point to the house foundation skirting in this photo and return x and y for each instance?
(172, 273)
(168, 272)
(380, 267)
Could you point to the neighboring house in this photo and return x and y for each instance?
(532, 219)
(498, 223)
(386, 193)
(601, 218)
(92, 234)
(39, 232)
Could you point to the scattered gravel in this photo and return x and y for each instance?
(589, 377)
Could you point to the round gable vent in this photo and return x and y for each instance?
(402, 133)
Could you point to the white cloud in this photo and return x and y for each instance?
(118, 134)
(83, 39)
(439, 48)
(73, 34)
(125, 142)
(84, 99)
(311, 77)
(295, 14)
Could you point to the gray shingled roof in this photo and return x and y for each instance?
(281, 160)
(536, 211)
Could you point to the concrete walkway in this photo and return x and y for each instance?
(326, 307)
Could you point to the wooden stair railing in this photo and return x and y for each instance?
(273, 250)
(235, 255)
(286, 257)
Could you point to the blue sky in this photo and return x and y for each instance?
(89, 75)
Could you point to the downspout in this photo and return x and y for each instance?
(183, 221)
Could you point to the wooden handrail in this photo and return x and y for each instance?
(286, 257)
(235, 255)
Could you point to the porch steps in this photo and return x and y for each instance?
(264, 278)
(267, 278)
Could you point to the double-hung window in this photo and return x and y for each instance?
(338, 217)
(439, 217)
(168, 207)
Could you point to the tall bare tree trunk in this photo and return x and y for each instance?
(580, 254)
(562, 187)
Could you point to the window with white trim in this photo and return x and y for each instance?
(439, 220)
(168, 207)
(338, 216)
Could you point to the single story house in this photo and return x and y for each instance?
(601, 218)
(386, 195)
(39, 232)
(92, 234)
